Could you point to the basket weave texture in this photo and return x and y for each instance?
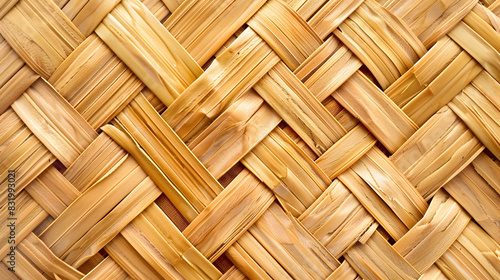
(234, 139)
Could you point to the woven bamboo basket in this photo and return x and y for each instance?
(250, 139)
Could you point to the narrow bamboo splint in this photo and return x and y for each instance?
(235, 139)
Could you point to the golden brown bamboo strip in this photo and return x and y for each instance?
(432, 164)
(39, 254)
(287, 33)
(94, 162)
(21, 151)
(233, 274)
(308, 260)
(229, 215)
(430, 26)
(29, 215)
(202, 27)
(5, 273)
(148, 50)
(423, 90)
(337, 219)
(172, 5)
(107, 269)
(58, 126)
(480, 40)
(169, 153)
(7, 6)
(131, 261)
(15, 76)
(381, 41)
(474, 194)
(332, 73)
(331, 15)
(487, 168)
(433, 273)
(287, 171)
(373, 204)
(170, 242)
(344, 271)
(87, 15)
(233, 73)
(52, 191)
(295, 104)
(26, 270)
(379, 114)
(378, 260)
(158, 9)
(343, 116)
(391, 185)
(434, 233)
(346, 151)
(234, 133)
(76, 224)
(40, 34)
(474, 254)
(246, 264)
(100, 87)
(479, 107)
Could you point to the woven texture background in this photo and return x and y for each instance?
(233, 139)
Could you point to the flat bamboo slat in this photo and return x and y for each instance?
(233, 139)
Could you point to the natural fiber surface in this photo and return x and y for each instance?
(233, 139)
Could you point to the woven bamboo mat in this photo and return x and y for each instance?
(238, 139)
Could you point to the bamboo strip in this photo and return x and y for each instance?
(107, 269)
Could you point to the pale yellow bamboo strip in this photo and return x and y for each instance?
(487, 168)
(171, 155)
(40, 255)
(333, 73)
(374, 204)
(479, 47)
(15, 86)
(5, 273)
(285, 32)
(149, 50)
(172, 5)
(294, 178)
(91, 206)
(346, 151)
(40, 34)
(229, 215)
(7, 5)
(317, 58)
(107, 228)
(433, 273)
(473, 255)
(101, 85)
(438, 92)
(246, 264)
(430, 22)
(29, 215)
(87, 15)
(296, 105)
(58, 126)
(433, 163)
(94, 162)
(477, 197)
(234, 133)
(170, 242)
(381, 41)
(331, 15)
(149, 253)
(337, 219)
(20, 150)
(202, 27)
(479, 107)
(378, 260)
(307, 259)
(433, 235)
(188, 210)
(376, 111)
(52, 191)
(232, 74)
(131, 261)
(107, 269)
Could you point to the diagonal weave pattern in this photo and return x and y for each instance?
(234, 139)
